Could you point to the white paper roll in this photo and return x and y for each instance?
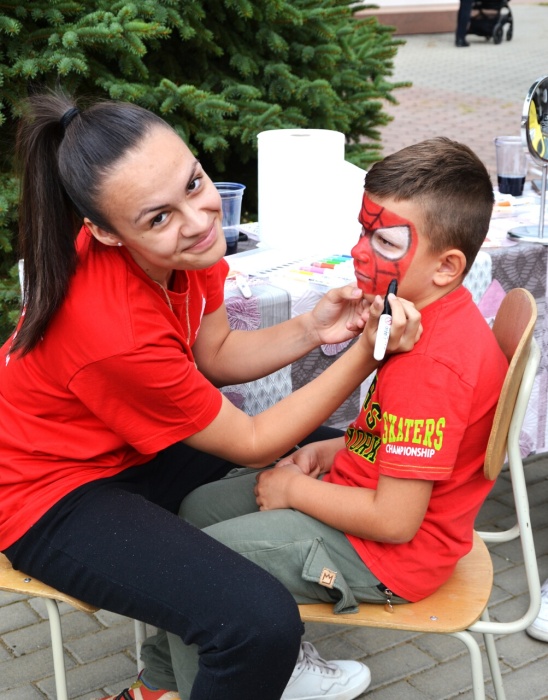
(303, 184)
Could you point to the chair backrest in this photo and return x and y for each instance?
(513, 328)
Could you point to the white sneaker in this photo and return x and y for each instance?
(539, 628)
(316, 679)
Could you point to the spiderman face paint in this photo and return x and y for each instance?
(385, 250)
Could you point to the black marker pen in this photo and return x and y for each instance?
(385, 321)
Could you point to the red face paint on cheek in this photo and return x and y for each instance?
(385, 250)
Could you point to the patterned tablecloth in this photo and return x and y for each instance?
(526, 265)
(520, 264)
(511, 265)
(267, 306)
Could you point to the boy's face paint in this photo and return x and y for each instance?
(385, 250)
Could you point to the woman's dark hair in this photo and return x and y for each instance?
(63, 155)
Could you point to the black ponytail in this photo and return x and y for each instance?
(47, 224)
(63, 154)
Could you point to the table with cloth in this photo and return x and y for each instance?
(501, 265)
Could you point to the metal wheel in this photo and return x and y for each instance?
(510, 32)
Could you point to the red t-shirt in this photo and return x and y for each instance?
(428, 415)
(112, 382)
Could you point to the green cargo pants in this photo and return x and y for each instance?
(314, 561)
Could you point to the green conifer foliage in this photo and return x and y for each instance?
(219, 71)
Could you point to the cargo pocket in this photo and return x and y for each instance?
(319, 568)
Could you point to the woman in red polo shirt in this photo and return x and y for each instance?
(109, 404)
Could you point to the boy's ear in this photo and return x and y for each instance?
(451, 266)
(104, 237)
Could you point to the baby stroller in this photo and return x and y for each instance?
(488, 19)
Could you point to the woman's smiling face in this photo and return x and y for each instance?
(162, 207)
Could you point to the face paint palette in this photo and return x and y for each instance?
(321, 272)
(329, 272)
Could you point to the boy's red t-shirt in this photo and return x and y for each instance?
(116, 364)
(428, 415)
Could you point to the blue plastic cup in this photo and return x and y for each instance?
(231, 198)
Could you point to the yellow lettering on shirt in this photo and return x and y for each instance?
(399, 436)
(439, 433)
(408, 426)
(397, 432)
(363, 444)
(427, 432)
(429, 427)
(418, 432)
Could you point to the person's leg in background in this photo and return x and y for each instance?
(108, 544)
(463, 20)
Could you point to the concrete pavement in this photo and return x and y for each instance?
(472, 95)
(469, 94)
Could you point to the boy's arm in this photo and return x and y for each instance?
(392, 513)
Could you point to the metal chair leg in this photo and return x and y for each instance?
(478, 684)
(140, 636)
(493, 659)
(57, 649)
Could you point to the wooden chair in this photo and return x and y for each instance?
(459, 607)
(17, 582)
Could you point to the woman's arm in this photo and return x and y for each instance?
(255, 441)
(233, 357)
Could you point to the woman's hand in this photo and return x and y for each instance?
(340, 315)
(406, 328)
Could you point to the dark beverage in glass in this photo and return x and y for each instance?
(511, 185)
(231, 248)
(231, 238)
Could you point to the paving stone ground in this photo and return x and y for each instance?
(469, 94)
(100, 655)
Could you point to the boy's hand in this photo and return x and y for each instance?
(273, 485)
(406, 328)
(340, 315)
(314, 458)
(305, 460)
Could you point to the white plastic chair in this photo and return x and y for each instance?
(460, 606)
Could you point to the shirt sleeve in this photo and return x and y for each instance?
(425, 408)
(150, 397)
(150, 394)
(216, 277)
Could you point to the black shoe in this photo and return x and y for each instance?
(461, 43)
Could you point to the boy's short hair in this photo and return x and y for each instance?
(451, 186)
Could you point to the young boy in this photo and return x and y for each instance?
(395, 506)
